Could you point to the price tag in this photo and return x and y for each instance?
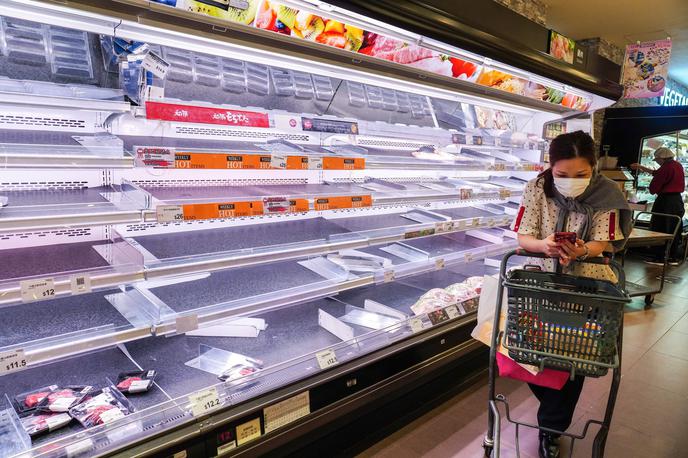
(78, 448)
(388, 276)
(476, 222)
(204, 401)
(468, 257)
(500, 166)
(278, 161)
(504, 193)
(452, 311)
(439, 264)
(491, 222)
(442, 227)
(169, 213)
(506, 220)
(154, 93)
(460, 225)
(37, 290)
(248, 431)
(11, 361)
(111, 415)
(326, 358)
(416, 325)
(315, 163)
(155, 64)
(80, 284)
(438, 316)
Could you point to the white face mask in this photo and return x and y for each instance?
(571, 187)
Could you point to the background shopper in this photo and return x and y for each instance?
(668, 182)
(570, 196)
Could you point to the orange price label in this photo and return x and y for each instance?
(298, 205)
(222, 210)
(190, 160)
(343, 163)
(297, 162)
(334, 203)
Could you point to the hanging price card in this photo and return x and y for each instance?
(169, 213)
(504, 193)
(452, 311)
(37, 290)
(11, 361)
(326, 358)
(416, 325)
(204, 401)
(439, 264)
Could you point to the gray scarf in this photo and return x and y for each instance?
(602, 194)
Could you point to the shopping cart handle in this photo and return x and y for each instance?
(604, 260)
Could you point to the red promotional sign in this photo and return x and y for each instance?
(205, 115)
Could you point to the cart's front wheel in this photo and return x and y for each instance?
(649, 300)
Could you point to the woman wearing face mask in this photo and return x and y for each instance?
(570, 196)
(668, 182)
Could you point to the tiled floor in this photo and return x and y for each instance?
(651, 415)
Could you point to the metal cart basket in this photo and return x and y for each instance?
(562, 322)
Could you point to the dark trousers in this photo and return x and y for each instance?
(671, 204)
(557, 406)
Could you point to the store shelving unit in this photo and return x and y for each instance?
(145, 229)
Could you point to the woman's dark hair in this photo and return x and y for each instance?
(567, 146)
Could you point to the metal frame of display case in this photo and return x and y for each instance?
(120, 206)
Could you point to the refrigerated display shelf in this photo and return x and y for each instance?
(46, 101)
(292, 334)
(183, 253)
(30, 325)
(50, 259)
(225, 240)
(230, 285)
(155, 307)
(57, 149)
(94, 369)
(41, 209)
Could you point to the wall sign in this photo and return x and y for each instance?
(645, 69)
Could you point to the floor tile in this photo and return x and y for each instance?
(673, 344)
(681, 325)
(662, 371)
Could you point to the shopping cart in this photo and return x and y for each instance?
(561, 322)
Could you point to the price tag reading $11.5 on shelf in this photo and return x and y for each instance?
(11, 361)
(204, 401)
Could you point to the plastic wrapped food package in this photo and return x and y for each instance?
(434, 299)
(461, 291)
(136, 381)
(475, 282)
(43, 422)
(62, 399)
(28, 401)
(104, 406)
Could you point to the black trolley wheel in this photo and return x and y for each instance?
(649, 300)
(489, 450)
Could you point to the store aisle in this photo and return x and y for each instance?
(651, 416)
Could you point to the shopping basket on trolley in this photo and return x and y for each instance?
(562, 322)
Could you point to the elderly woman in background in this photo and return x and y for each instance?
(668, 182)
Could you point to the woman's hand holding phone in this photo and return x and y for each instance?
(568, 252)
(550, 247)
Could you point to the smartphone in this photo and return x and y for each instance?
(560, 237)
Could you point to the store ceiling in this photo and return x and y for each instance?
(626, 21)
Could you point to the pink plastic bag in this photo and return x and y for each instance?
(548, 378)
